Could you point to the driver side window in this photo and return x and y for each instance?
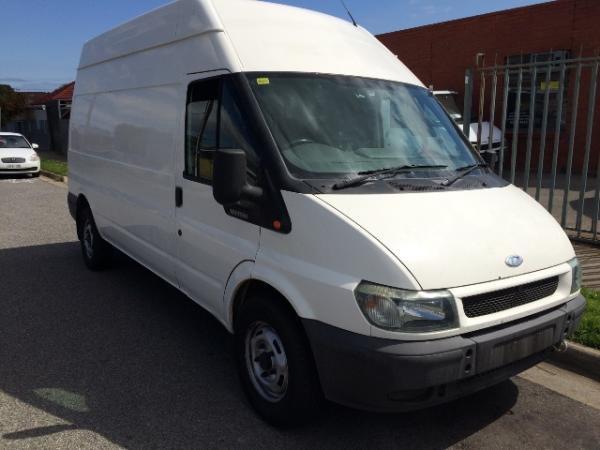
(214, 120)
(201, 129)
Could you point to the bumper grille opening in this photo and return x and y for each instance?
(491, 302)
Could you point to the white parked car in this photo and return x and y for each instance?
(288, 173)
(448, 99)
(17, 155)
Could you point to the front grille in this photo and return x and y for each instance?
(13, 160)
(491, 302)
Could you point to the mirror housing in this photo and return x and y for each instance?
(35, 146)
(229, 177)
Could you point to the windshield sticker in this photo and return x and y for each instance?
(262, 81)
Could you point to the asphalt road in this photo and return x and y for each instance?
(121, 359)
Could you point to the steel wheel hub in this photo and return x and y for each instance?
(266, 361)
(88, 239)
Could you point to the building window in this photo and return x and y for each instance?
(64, 109)
(527, 60)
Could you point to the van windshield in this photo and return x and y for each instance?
(329, 126)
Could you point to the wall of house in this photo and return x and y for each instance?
(439, 54)
(32, 124)
(58, 128)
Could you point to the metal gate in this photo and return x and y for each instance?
(546, 107)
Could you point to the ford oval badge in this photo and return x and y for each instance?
(513, 261)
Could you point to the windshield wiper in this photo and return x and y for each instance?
(463, 172)
(380, 174)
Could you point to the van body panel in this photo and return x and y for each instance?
(456, 238)
(242, 273)
(320, 262)
(162, 26)
(177, 59)
(286, 39)
(279, 38)
(125, 160)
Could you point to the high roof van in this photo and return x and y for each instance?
(289, 174)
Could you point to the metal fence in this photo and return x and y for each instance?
(546, 107)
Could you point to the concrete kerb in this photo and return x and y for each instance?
(53, 176)
(580, 359)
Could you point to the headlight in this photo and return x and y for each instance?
(576, 275)
(34, 157)
(406, 311)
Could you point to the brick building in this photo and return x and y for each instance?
(439, 54)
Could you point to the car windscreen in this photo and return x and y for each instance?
(8, 141)
(329, 126)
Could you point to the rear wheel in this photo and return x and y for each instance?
(275, 362)
(95, 250)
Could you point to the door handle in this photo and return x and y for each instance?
(178, 196)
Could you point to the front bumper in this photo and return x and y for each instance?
(22, 168)
(387, 375)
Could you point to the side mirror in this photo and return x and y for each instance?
(229, 177)
(35, 146)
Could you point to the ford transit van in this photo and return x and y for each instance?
(289, 174)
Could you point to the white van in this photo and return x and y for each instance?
(283, 169)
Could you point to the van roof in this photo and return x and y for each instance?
(261, 36)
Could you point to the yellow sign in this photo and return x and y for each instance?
(553, 85)
(262, 81)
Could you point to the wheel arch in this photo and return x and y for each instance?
(243, 283)
(81, 202)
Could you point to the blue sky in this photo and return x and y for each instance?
(41, 39)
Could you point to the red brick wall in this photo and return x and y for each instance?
(439, 54)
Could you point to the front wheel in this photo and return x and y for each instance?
(275, 363)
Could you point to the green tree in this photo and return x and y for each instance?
(11, 102)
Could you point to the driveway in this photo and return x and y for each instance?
(121, 359)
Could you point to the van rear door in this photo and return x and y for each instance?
(210, 243)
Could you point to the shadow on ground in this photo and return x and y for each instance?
(125, 355)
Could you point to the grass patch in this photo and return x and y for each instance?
(588, 332)
(55, 166)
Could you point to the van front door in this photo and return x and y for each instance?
(210, 242)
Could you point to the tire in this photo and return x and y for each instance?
(35, 175)
(269, 339)
(96, 251)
